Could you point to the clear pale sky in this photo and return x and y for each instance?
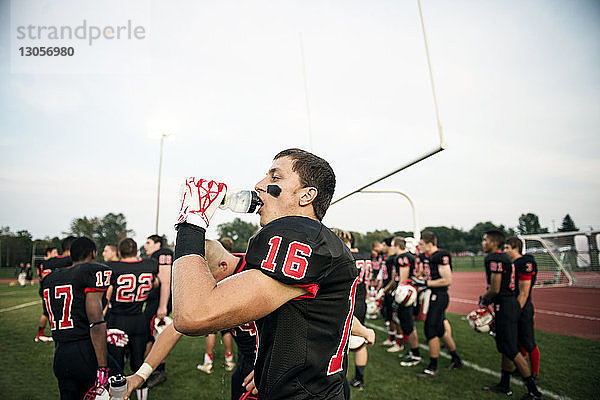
(518, 86)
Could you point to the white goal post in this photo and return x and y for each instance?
(565, 258)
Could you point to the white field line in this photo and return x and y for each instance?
(478, 368)
(31, 303)
(537, 310)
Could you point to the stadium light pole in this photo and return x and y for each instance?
(416, 230)
(162, 139)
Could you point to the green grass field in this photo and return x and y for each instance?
(569, 366)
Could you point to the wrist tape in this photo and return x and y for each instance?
(144, 371)
(190, 240)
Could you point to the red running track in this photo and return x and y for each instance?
(571, 311)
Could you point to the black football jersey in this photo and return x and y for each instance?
(388, 264)
(431, 263)
(64, 293)
(244, 335)
(526, 269)
(406, 260)
(131, 283)
(500, 263)
(53, 263)
(302, 345)
(376, 262)
(362, 261)
(164, 257)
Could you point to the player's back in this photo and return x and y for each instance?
(526, 268)
(131, 281)
(55, 263)
(64, 293)
(500, 262)
(302, 344)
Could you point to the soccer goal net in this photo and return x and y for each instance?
(565, 259)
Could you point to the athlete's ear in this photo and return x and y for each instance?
(308, 195)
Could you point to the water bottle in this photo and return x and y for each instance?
(118, 387)
(241, 201)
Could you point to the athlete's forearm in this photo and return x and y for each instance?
(162, 346)
(98, 336)
(192, 284)
(524, 286)
(164, 274)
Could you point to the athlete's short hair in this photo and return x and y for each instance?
(374, 244)
(399, 242)
(227, 243)
(128, 248)
(112, 246)
(388, 241)
(496, 236)
(515, 243)
(50, 249)
(342, 234)
(429, 237)
(156, 239)
(67, 242)
(316, 172)
(82, 248)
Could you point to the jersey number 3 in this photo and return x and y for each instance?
(296, 258)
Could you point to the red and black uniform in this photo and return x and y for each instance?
(363, 264)
(506, 306)
(376, 262)
(246, 340)
(438, 302)
(64, 292)
(385, 274)
(131, 282)
(526, 269)
(46, 267)
(302, 346)
(405, 314)
(164, 258)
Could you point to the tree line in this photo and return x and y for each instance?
(16, 247)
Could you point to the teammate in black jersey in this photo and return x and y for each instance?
(131, 281)
(502, 291)
(159, 303)
(73, 296)
(526, 270)
(363, 265)
(406, 271)
(394, 267)
(301, 283)
(437, 272)
(386, 279)
(52, 262)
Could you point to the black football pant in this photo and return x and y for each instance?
(244, 365)
(75, 367)
(526, 331)
(434, 322)
(508, 311)
(135, 327)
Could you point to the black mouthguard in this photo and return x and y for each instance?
(274, 190)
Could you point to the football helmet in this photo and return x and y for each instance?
(405, 295)
(481, 319)
(160, 325)
(97, 393)
(356, 342)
